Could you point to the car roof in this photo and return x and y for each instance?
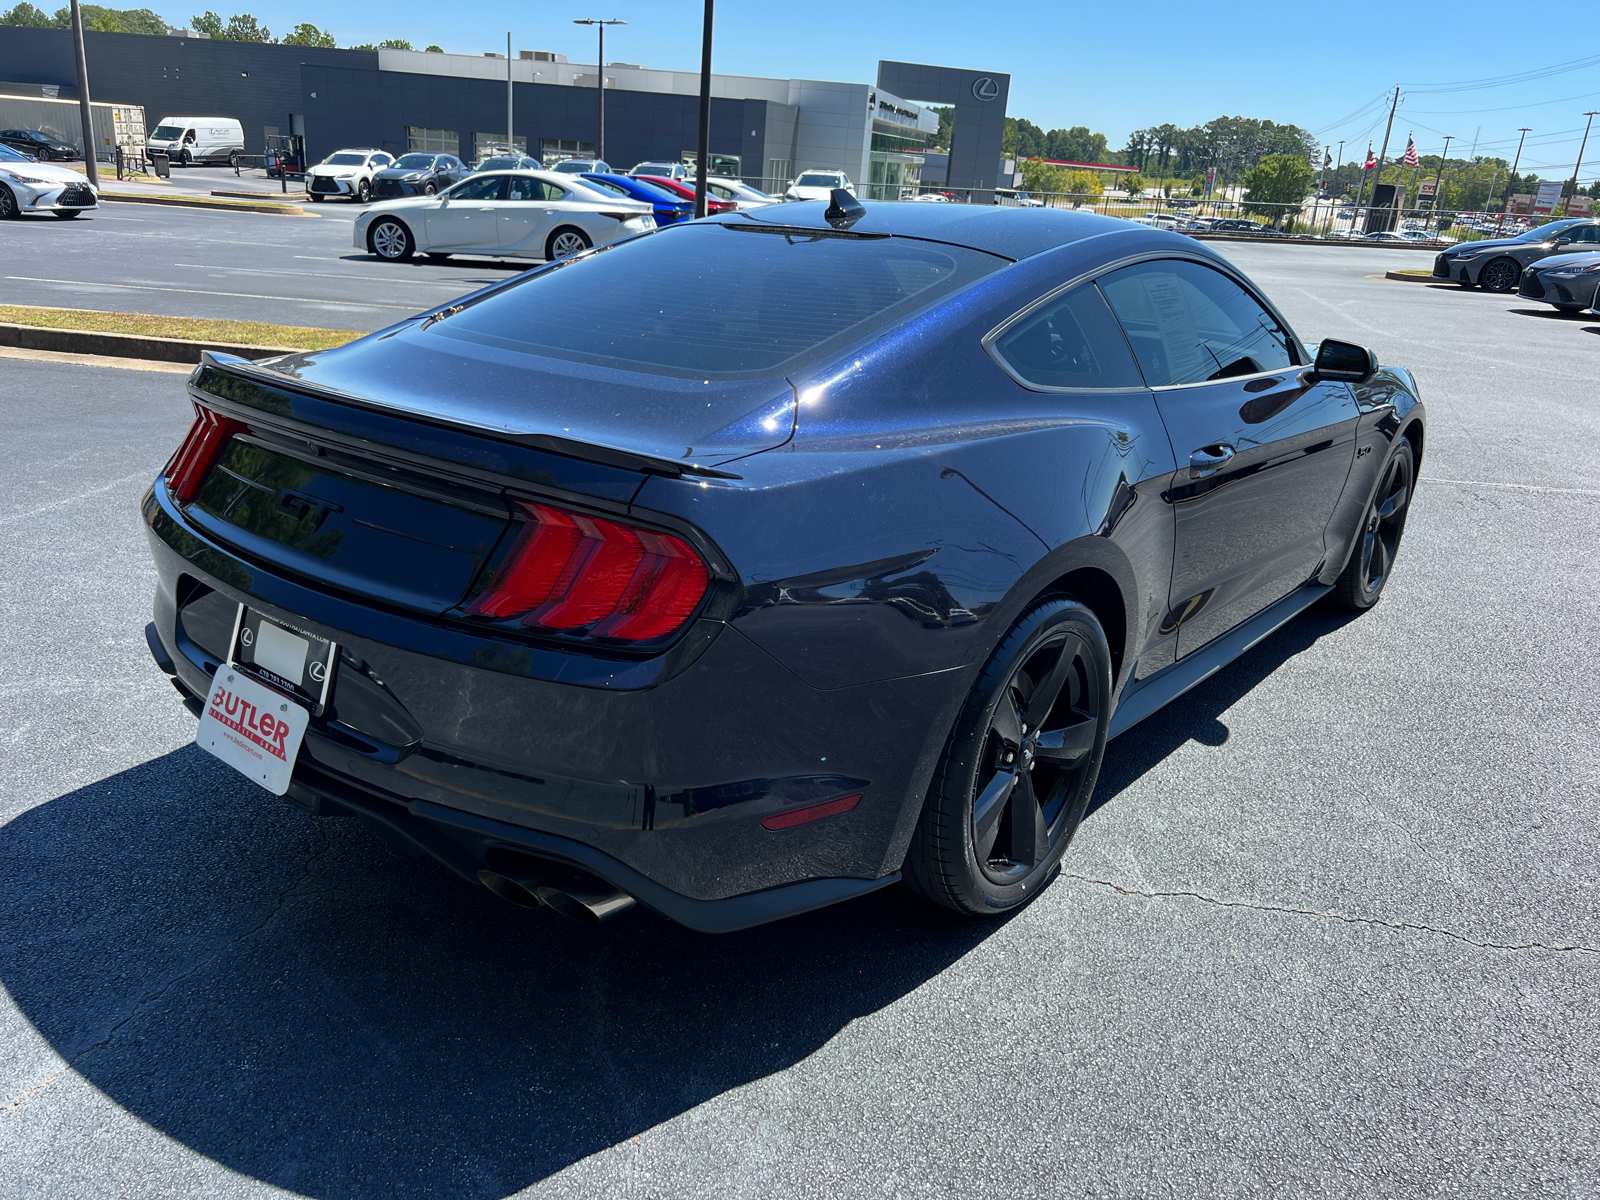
(1014, 233)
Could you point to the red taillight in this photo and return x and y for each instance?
(208, 437)
(572, 571)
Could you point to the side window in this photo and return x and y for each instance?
(535, 190)
(1071, 342)
(1584, 233)
(1188, 323)
(483, 187)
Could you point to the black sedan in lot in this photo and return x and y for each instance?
(39, 145)
(419, 174)
(838, 570)
(1571, 282)
(1496, 265)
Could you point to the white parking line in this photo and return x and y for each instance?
(1521, 487)
(150, 287)
(440, 283)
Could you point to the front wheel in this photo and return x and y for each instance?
(1360, 584)
(1019, 766)
(565, 242)
(363, 192)
(185, 158)
(1500, 275)
(429, 189)
(390, 240)
(8, 204)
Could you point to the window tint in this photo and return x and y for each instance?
(738, 303)
(482, 187)
(602, 185)
(1583, 233)
(1189, 323)
(519, 188)
(1073, 341)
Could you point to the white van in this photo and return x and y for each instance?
(189, 140)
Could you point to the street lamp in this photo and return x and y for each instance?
(600, 141)
(1516, 162)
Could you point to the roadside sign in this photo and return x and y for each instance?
(1549, 196)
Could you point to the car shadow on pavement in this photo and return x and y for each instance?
(1196, 715)
(298, 1002)
(1549, 314)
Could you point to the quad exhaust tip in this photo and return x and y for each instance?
(576, 895)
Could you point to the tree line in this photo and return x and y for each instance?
(241, 27)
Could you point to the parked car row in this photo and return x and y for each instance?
(1558, 262)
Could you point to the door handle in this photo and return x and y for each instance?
(1207, 459)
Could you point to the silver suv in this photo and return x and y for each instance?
(1496, 265)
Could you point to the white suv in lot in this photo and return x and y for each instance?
(818, 185)
(346, 173)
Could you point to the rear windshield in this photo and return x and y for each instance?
(710, 301)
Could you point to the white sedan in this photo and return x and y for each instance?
(818, 185)
(505, 214)
(34, 187)
(740, 193)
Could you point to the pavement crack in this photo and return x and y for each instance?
(1397, 926)
(152, 997)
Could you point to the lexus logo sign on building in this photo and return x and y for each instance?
(985, 88)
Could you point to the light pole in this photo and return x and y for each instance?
(85, 113)
(1524, 131)
(600, 140)
(1582, 146)
(702, 164)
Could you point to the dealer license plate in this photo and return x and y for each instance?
(253, 728)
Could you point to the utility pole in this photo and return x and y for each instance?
(702, 164)
(1439, 174)
(511, 137)
(600, 139)
(1584, 145)
(1524, 131)
(85, 113)
(1377, 173)
(1362, 190)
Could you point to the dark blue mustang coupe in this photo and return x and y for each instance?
(834, 568)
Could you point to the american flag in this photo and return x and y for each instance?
(1372, 160)
(1411, 151)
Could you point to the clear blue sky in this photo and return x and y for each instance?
(1112, 67)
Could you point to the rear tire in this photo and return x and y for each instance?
(1019, 766)
(390, 240)
(1500, 275)
(565, 242)
(1360, 584)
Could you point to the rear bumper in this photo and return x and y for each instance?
(654, 775)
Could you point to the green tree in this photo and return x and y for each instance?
(1278, 179)
(309, 35)
(1077, 144)
(394, 44)
(1134, 184)
(102, 20)
(1023, 139)
(208, 23)
(433, 49)
(25, 15)
(947, 120)
(1040, 176)
(241, 27)
(1081, 184)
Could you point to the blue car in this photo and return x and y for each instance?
(758, 562)
(668, 208)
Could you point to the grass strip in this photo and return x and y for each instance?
(201, 201)
(198, 329)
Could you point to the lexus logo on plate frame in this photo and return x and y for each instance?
(985, 88)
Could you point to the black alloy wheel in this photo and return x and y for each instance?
(1019, 766)
(8, 204)
(1361, 582)
(363, 192)
(1500, 275)
(565, 242)
(430, 188)
(390, 240)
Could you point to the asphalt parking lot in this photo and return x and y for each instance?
(1333, 928)
(187, 262)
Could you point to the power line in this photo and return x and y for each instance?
(1495, 81)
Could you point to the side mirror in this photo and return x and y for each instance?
(1344, 362)
(1563, 241)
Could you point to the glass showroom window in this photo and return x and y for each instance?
(553, 150)
(439, 141)
(487, 145)
(779, 172)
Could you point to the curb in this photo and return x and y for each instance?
(127, 345)
(276, 210)
(262, 197)
(1413, 277)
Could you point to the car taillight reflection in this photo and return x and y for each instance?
(570, 571)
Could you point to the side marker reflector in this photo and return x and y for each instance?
(812, 812)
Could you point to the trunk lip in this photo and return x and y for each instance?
(611, 456)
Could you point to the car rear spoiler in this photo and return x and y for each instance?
(611, 456)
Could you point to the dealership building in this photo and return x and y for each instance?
(766, 130)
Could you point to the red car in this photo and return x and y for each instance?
(713, 205)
